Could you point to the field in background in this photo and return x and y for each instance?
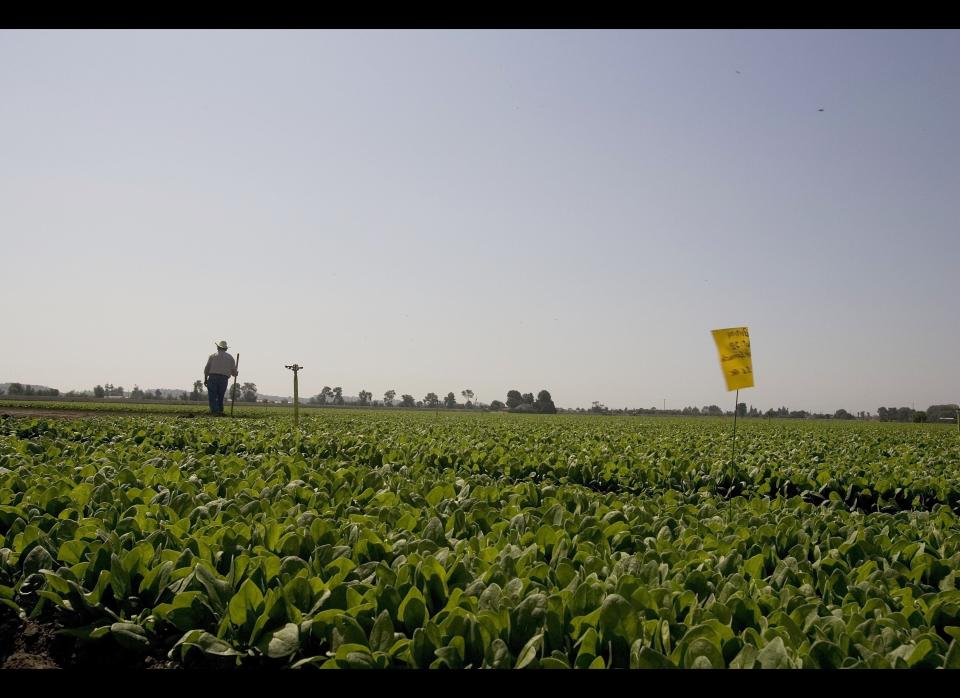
(392, 538)
(156, 407)
(40, 404)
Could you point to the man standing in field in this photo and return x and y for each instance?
(216, 376)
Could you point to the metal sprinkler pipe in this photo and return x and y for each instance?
(296, 395)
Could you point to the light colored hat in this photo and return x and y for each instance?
(222, 344)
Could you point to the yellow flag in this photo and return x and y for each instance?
(733, 345)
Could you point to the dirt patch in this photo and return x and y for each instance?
(26, 644)
(29, 645)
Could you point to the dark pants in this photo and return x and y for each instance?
(216, 389)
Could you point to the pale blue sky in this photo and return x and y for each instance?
(436, 210)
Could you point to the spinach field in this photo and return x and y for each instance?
(399, 539)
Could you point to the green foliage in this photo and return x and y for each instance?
(390, 539)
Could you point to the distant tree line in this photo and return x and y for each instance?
(21, 389)
(705, 411)
(245, 392)
(715, 411)
(934, 413)
(516, 402)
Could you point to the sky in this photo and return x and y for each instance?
(440, 210)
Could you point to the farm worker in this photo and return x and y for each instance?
(216, 375)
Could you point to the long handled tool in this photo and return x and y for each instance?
(233, 393)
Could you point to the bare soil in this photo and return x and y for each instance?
(25, 644)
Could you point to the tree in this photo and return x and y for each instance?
(157, 394)
(450, 401)
(528, 398)
(197, 391)
(323, 396)
(431, 400)
(406, 401)
(184, 397)
(136, 393)
(388, 397)
(15, 389)
(544, 403)
(364, 396)
(713, 411)
(467, 395)
(514, 398)
(497, 405)
(98, 391)
(937, 413)
(920, 417)
(338, 395)
(249, 391)
(741, 409)
(842, 414)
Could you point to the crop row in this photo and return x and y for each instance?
(405, 540)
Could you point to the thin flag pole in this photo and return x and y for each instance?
(733, 445)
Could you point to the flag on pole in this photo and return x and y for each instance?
(733, 346)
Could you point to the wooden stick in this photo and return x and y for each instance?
(233, 393)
